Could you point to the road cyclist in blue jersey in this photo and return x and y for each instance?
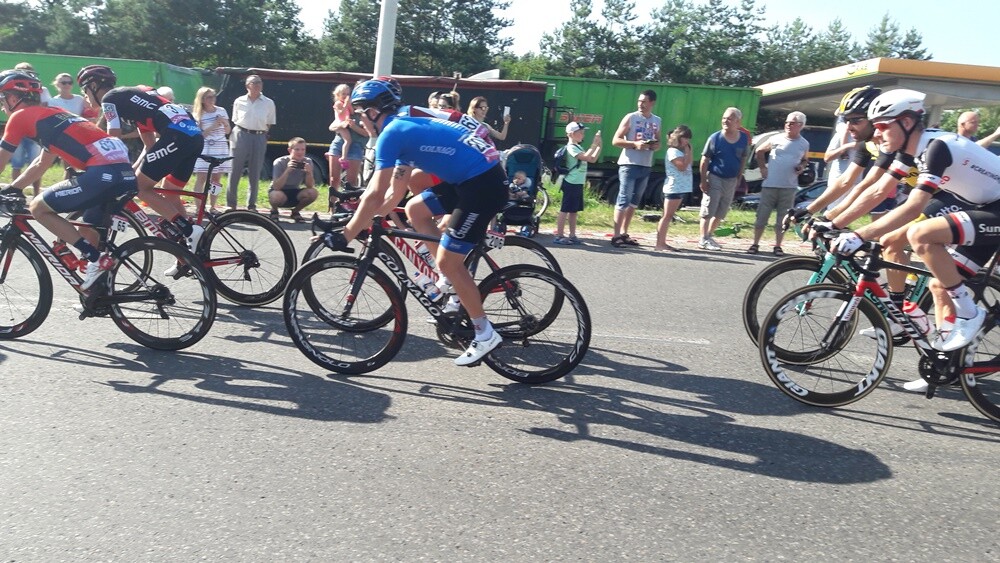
(473, 191)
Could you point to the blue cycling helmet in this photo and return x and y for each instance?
(375, 94)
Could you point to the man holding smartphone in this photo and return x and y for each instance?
(293, 185)
(639, 135)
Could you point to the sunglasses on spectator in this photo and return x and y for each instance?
(65, 83)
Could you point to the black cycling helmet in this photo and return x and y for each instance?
(97, 75)
(375, 94)
(393, 85)
(21, 82)
(857, 101)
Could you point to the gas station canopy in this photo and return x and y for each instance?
(948, 86)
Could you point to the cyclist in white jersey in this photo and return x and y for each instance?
(951, 163)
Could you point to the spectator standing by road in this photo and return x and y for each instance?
(678, 183)
(214, 123)
(639, 135)
(478, 108)
(789, 155)
(253, 115)
(968, 126)
(65, 98)
(293, 184)
(721, 167)
(349, 143)
(573, 182)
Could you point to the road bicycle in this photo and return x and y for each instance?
(249, 257)
(348, 316)
(778, 278)
(835, 365)
(155, 310)
(482, 261)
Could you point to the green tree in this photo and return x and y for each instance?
(884, 40)
(436, 38)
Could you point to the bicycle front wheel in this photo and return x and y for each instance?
(159, 311)
(835, 364)
(249, 257)
(333, 339)
(542, 341)
(777, 280)
(25, 290)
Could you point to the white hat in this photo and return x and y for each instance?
(574, 126)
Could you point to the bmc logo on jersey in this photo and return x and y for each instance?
(160, 153)
(140, 101)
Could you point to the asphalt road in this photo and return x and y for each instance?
(667, 443)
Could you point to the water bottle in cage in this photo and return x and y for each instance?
(425, 253)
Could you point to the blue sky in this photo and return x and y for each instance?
(955, 37)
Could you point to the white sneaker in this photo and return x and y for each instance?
(918, 385)
(703, 244)
(96, 270)
(894, 330)
(192, 241)
(964, 332)
(710, 244)
(478, 349)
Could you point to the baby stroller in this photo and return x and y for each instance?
(520, 210)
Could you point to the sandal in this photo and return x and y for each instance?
(298, 218)
(754, 249)
(617, 241)
(274, 215)
(778, 251)
(562, 240)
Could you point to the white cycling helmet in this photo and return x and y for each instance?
(895, 103)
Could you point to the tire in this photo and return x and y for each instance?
(333, 346)
(165, 313)
(516, 250)
(841, 373)
(538, 347)
(777, 280)
(981, 383)
(249, 258)
(25, 290)
(541, 203)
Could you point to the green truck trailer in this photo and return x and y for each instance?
(601, 104)
(184, 81)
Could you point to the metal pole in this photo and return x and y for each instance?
(386, 38)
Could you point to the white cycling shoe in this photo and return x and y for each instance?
(478, 349)
(192, 241)
(963, 333)
(894, 330)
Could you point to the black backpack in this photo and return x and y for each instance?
(558, 164)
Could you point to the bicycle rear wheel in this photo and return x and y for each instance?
(485, 260)
(980, 381)
(777, 280)
(542, 342)
(250, 258)
(25, 290)
(333, 340)
(541, 203)
(835, 365)
(158, 311)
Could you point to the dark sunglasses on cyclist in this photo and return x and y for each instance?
(856, 120)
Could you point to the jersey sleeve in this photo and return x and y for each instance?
(862, 155)
(14, 132)
(935, 160)
(111, 115)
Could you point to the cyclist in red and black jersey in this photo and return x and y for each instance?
(172, 140)
(107, 175)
